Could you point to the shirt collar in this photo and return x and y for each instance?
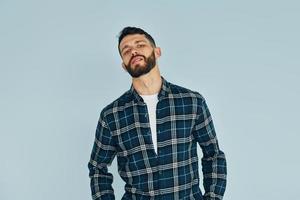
(164, 91)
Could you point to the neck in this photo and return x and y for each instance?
(149, 83)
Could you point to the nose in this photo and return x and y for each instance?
(133, 52)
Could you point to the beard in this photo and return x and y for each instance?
(139, 69)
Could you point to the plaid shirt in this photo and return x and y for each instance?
(183, 120)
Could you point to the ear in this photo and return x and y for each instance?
(157, 52)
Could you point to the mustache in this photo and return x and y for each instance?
(136, 56)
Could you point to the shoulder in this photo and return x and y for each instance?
(180, 91)
(117, 105)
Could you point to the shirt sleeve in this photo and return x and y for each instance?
(213, 161)
(102, 155)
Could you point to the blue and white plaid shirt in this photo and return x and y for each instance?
(183, 120)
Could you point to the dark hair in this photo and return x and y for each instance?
(134, 30)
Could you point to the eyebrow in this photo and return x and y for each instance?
(138, 41)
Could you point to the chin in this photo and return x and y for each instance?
(138, 66)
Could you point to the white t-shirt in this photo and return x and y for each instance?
(151, 101)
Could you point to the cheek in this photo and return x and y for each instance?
(126, 60)
(149, 53)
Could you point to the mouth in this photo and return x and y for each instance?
(136, 59)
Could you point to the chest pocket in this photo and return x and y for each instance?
(133, 139)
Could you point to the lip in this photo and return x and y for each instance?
(136, 59)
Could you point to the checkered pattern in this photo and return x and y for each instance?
(183, 121)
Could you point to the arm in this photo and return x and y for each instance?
(213, 161)
(102, 155)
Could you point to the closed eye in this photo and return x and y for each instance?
(126, 52)
(141, 45)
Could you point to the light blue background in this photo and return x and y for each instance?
(59, 66)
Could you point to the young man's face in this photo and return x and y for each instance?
(138, 55)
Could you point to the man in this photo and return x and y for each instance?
(153, 129)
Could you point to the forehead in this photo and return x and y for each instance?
(132, 39)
